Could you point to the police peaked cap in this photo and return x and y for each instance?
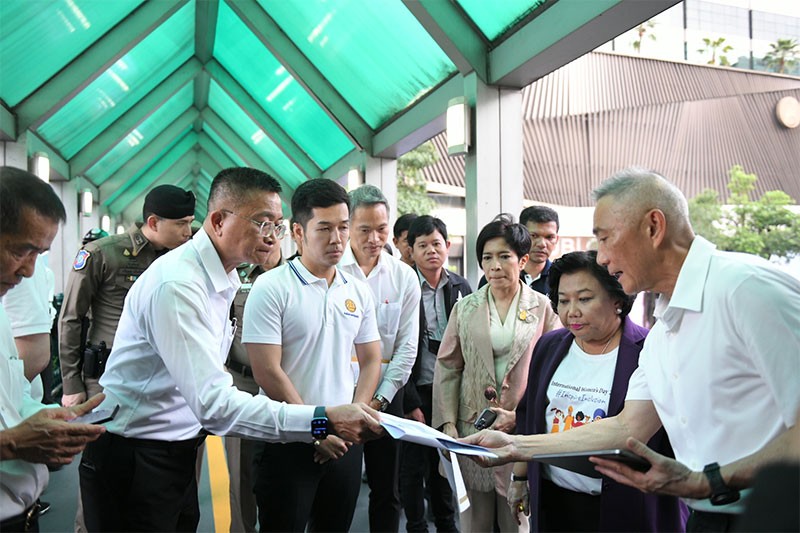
(169, 201)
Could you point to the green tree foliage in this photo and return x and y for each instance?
(762, 227)
(643, 29)
(412, 196)
(783, 54)
(716, 46)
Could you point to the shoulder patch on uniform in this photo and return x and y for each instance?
(80, 260)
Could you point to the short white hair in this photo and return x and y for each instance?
(638, 190)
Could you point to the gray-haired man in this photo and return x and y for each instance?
(397, 296)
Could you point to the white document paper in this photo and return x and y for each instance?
(456, 480)
(413, 431)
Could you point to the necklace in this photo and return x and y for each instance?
(583, 347)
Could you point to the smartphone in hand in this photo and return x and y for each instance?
(99, 416)
(485, 419)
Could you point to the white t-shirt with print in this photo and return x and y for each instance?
(578, 394)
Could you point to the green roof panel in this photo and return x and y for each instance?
(494, 18)
(165, 158)
(130, 78)
(391, 64)
(142, 134)
(236, 158)
(276, 90)
(243, 125)
(48, 35)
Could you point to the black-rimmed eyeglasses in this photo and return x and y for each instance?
(265, 228)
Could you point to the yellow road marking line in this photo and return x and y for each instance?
(220, 484)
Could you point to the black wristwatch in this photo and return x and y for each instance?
(383, 401)
(721, 494)
(319, 423)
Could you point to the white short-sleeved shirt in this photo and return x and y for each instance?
(29, 304)
(396, 292)
(166, 367)
(21, 482)
(315, 325)
(721, 365)
(30, 310)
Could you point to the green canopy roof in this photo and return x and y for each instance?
(131, 93)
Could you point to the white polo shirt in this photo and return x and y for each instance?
(722, 364)
(396, 292)
(21, 482)
(315, 325)
(166, 367)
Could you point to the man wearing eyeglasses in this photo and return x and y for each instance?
(542, 224)
(239, 452)
(167, 374)
(102, 274)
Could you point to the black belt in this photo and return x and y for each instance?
(239, 368)
(25, 521)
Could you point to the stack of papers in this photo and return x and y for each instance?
(413, 431)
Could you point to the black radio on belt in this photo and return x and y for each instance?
(94, 359)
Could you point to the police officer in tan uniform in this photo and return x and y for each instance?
(102, 274)
(239, 452)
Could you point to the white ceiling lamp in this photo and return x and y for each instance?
(87, 202)
(354, 179)
(41, 166)
(105, 223)
(458, 126)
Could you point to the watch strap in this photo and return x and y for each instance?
(721, 494)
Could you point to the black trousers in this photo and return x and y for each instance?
(382, 462)
(139, 484)
(293, 491)
(562, 509)
(419, 465)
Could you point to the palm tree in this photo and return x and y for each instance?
(783, 53)
(713, 46)
(641, 31)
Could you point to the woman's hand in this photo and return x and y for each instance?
(506, 421)
(519, 499)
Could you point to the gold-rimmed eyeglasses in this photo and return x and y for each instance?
(265, 228)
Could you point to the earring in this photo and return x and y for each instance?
(619, 311)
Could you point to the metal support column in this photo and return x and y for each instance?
(382, 173)
(493, 177)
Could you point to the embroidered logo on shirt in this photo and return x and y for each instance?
(350, 305)
(80, 260)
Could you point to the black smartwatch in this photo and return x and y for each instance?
(319, 423)
(721, 494)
